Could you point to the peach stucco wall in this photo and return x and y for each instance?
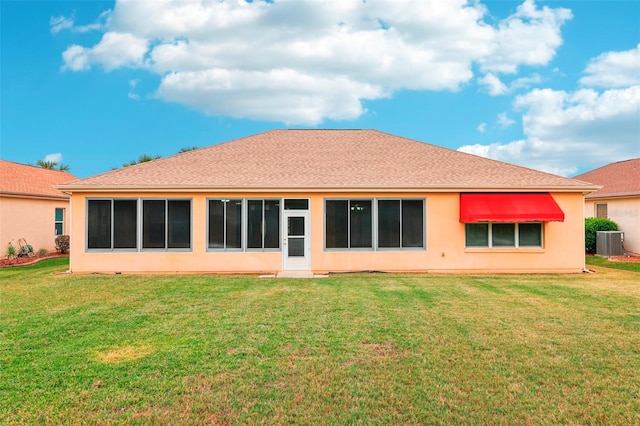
(626, 213)
(32, 219)
(563, 245)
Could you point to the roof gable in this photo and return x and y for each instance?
(27, 180)
(349, 159)
(620, 178)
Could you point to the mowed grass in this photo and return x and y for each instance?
(348, 349)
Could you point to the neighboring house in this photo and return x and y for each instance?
(31, 208)
(318, 201)
(618, 199)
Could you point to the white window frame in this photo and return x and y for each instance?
(516, 230)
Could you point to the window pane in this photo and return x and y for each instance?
(272, 224)
(530, 234)
(295, 226)
(216, 224)
(503, 234)
(336, 223)
(254, 223)
(476, 234)
(153, 224)
(412, 223)
(99, 224)
(295, 204)
(296, 247)
(234, 224)
(125, 222)
(59, 215)
(601, 210)
(179, 223)
(58, 228)
(360, 225)
(389, 223)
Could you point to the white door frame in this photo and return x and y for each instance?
(296, 263)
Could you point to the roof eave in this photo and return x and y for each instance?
(585, 189)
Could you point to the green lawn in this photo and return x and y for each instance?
(348, 349)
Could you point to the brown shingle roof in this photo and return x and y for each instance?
(26, 180)
(617, 179)
(331, 159)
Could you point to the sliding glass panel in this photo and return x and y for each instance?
(476, 234)
(153, 223)
(125, 224)
(503, 235)
(412, 223)
(360, 225)
(99, 224)
(530, 235)
(337, 223)
(389, 223)
(179, 223)
(216, 224)
(272, 224)
(254, 223)
(234, 224)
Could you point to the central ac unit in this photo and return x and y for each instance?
(609, 243)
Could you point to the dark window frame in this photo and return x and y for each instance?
(167, 225)
(113, 226)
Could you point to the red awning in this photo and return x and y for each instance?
(509, 207)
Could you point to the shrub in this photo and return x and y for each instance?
(62, 243)
(591, 227)
(43, 252)
(11, 251)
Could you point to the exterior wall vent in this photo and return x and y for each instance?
(609, 243)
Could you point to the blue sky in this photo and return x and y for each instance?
(552, 85)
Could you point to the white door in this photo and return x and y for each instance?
(295, 246)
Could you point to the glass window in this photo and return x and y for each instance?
(225, 224)
(477, 234)
(263, 224)
(412, 223)
(99, 224)
(153, 223)
(59, 221)
(178, 224)
(601, 210)
(530, 234)
(337, 223)
(360, 224)
(503, 235)
(296, 204)
(125, 223)
(388, 223)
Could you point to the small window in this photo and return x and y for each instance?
(503, 235)
(296, 204)
(601, 211)
(59, 221)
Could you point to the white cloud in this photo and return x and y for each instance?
(333, 55)
(493, 84)
(567, 130)
(504, 120)
(528, 37)
(59, 23)
(614, 69)
(482, 127)
(54, 158)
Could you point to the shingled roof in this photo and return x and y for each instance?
(325, 159)
(30, 181)
(617, 179)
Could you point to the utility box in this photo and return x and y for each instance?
(609, 243)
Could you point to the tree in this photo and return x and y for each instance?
(142, 159)
(52, 165)
(186, 149)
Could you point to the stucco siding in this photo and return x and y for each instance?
(562, 250)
